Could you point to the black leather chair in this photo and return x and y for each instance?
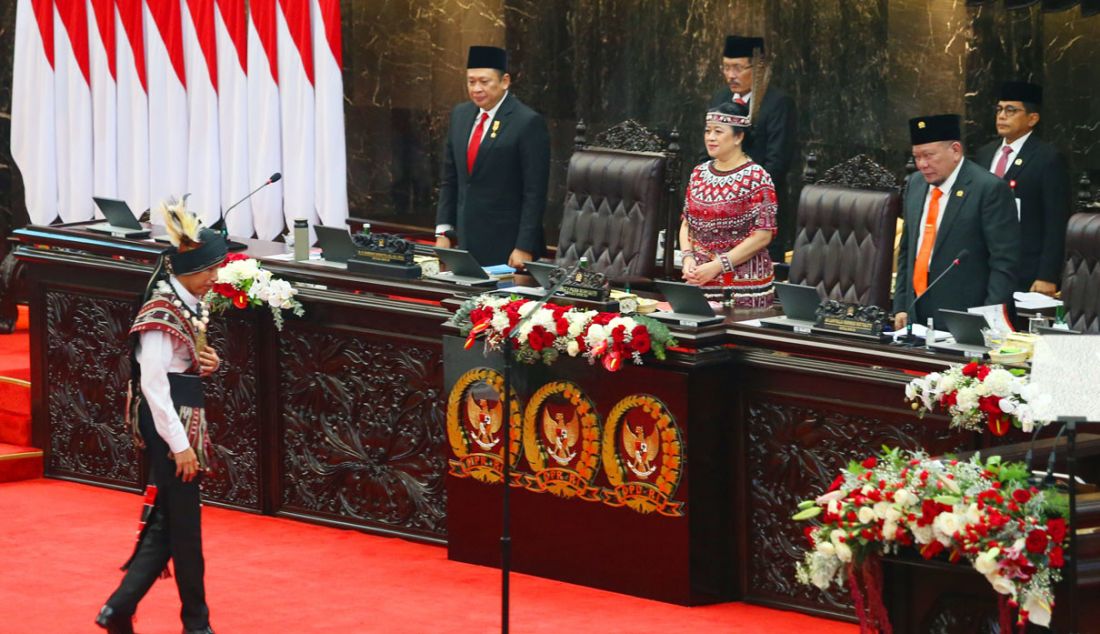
(844, 239)
(1081, 274)
(618, 194)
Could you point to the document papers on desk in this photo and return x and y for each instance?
(1034, 301)
(922, 332)
(1065, 371)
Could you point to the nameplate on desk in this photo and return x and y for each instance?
(803, 330)
(973, 354)
(583, 292)
(851, 319)
(384, 256)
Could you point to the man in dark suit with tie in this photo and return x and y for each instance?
(1039, 179)
(953, 205)
(771, 144)
(495, 169)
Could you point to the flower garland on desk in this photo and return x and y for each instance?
(983, 511)
(976, 395)
(609, 338)
(242, 283)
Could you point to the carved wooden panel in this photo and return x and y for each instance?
(232, 413)
(87, 369)
(794, 451)
(363, 430)
(959, 614)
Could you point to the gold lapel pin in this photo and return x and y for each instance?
(958, 193)
(496, 126)
(921, 125)
(1019, 161)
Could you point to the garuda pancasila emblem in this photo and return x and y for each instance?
(485, 419)
(561, 435)
(641, 450)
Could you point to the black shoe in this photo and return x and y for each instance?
(202, 630)
(114, 623)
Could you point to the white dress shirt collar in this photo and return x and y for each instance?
(1016, 146)
(189, 299)
(743, 97)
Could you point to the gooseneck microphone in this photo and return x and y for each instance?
(913, 304)
(220, 225)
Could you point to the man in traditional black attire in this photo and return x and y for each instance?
(496, 168)
(170, 356)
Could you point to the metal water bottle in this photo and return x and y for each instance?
(301, 239)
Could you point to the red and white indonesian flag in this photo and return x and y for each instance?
(231, 28)
(168, 119)
(102, 54)
(33, 140)
(330, 161)
(73, 110)
(149, 99)
(204, 141)
(133, 106)
(295, 53)
(264, 131)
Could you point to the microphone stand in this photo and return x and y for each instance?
(909, 338)
(506, 471)
(221, 227)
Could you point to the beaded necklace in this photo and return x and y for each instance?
(199, 319)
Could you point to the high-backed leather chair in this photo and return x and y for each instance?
(617, 200)
(844, 239)
(1081, 274)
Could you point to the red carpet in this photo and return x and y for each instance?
(18, 460)
(62, 544)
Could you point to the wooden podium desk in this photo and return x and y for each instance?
(342, 418)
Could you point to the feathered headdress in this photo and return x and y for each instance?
(761, 75)
(183, 226)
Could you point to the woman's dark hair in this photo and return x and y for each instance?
(728, 107)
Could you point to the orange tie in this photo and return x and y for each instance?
(928, 239)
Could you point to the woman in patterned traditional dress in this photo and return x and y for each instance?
(729, 217)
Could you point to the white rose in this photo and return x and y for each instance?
(834, 507)
(947, 383)
(573, 348)
(1038, 609)
(945, 526)
(966, 399)
(892, 515)
(881, 508)
(1000, 584)
(826, 548)
(904, 498)
(866, 515)
(922, 534)
(843, 552)
(986, 562)
(973, 515)
(889, 530)
(999, 382)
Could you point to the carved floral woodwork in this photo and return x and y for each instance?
(364, 437)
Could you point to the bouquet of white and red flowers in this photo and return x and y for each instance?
(982, 511)
(243, 283)
(610, 338)
(976, 395)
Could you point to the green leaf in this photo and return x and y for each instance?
(805, 504)
(807, 514)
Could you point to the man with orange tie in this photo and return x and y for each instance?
(954, 211)
(495, 169)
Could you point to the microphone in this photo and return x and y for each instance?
(220, 225)
(962, 255)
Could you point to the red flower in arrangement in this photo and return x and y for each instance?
(836, 483)
(639, 339)
(1021, 496)
(870, 463)
(1056, 528)
(931, 549)
(970, 369)
(240, 300)
(1037, 541)
(1057, 557)
(234, 257)
(540, 338)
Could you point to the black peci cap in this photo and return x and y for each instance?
(487, 57)
(937, 127)
(739, 46)
(1021, 91)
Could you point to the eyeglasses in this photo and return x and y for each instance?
(737, 68)
(1009, 110)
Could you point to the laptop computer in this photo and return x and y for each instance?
(799, 304)
(462, 269)
(335, 242)
(966, 329)
(541, 272)
(121, 222)
(689, 305)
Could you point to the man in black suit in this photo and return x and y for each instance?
(771, 144)
(1039, 179)
(953, 205)
(495, 169)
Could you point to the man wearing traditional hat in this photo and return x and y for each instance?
(495, 169)
(773, 123)
(169, 357)
(1039, 179)
(954, 211)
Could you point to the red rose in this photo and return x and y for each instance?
(949, 399)
(870, 463)
(1057, 529)
(991, 405)
(983, 371)
(639, 339)
(618, 333)
(808, 531)
(931, 549)
(562, 326)
(970, 369)
(1037, 541)
(233, 257)
(1057, 560)
(836, 483)
(1021, 496)
(225, 290)
(535, 338)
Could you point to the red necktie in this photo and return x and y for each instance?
(475, 143)
(739, 101)
(1002, 165)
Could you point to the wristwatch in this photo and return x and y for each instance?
(449, 234)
